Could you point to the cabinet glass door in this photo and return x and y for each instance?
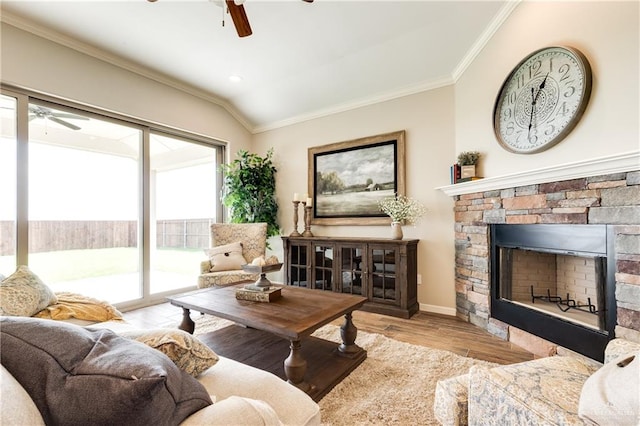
(323, 270)
(383, 275)
(298, 265)
(351, 270)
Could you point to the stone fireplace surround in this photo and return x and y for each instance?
(543, 197)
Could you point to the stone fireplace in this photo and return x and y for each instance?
(609, 202)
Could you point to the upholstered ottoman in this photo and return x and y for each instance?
(450, 405)
(544, 391)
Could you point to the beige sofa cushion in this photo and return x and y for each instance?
(17, 408)
(235, 410)
(230, 378)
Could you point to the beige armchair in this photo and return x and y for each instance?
(252, 236)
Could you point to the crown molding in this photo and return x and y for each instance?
(360, 103)
(502, 15)
(618, 163)
(118, 61)
(485, 37)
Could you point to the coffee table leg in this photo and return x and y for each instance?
(187, 323)
(295, 366)
(348, 332)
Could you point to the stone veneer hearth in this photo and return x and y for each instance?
(607, 199)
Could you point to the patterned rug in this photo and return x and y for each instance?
(395, 385)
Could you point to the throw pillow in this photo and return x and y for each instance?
(611, 395)
(24, 294)
(226, 258)
(78, 376)
(186, 351)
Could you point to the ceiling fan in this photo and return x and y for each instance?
(238, 15)
(55, 116)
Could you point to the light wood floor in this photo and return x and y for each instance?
(425, 329)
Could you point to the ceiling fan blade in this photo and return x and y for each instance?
(239, 18)
(308, 1)
(67, 115)
(64, 123)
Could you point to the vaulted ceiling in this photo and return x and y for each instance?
(304, 60)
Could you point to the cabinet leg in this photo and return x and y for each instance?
(348, 332)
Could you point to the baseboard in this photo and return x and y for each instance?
(435, 309)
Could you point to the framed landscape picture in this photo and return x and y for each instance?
(348, 179)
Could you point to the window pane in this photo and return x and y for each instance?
(8, 144)
(84, 204)
(183, 206)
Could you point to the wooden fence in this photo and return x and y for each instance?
(51, 235)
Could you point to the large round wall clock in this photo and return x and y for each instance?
(542, 99)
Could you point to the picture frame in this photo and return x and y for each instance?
(347, 179)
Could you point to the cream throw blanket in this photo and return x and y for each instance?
(73, 305)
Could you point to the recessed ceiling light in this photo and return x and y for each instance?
(235, 78)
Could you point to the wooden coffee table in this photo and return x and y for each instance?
(293, 317)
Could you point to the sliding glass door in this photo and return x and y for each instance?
(84, 209)
(183, 207)
(8, 195)
(100, 205)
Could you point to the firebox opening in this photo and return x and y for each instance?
(570, 287)
(556, 282)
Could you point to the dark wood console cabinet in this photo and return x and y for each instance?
(383, 270)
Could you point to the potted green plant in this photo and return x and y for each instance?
(249, 190)
(467, 161)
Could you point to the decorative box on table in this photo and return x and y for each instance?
(262, 290)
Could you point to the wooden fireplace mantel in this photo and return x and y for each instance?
(617, 163)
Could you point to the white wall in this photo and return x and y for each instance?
(427, 119)
(41, 65)
(606, 32)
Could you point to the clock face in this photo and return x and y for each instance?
(542, 100)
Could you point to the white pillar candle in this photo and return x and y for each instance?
(309, 201)
(296, 196)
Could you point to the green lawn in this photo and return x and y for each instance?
(69, 265)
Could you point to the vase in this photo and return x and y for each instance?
(396, 231)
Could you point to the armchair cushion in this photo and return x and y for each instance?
(227, 257)
(252, 236)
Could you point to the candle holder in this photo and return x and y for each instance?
(295, 232)
(307, 221)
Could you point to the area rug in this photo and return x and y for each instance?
(395, 385)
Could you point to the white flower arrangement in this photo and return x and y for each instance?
(402, 209)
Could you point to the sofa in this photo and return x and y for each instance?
(240, 394)
(70, 359)
(556, 390)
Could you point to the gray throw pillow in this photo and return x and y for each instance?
(78, 376)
